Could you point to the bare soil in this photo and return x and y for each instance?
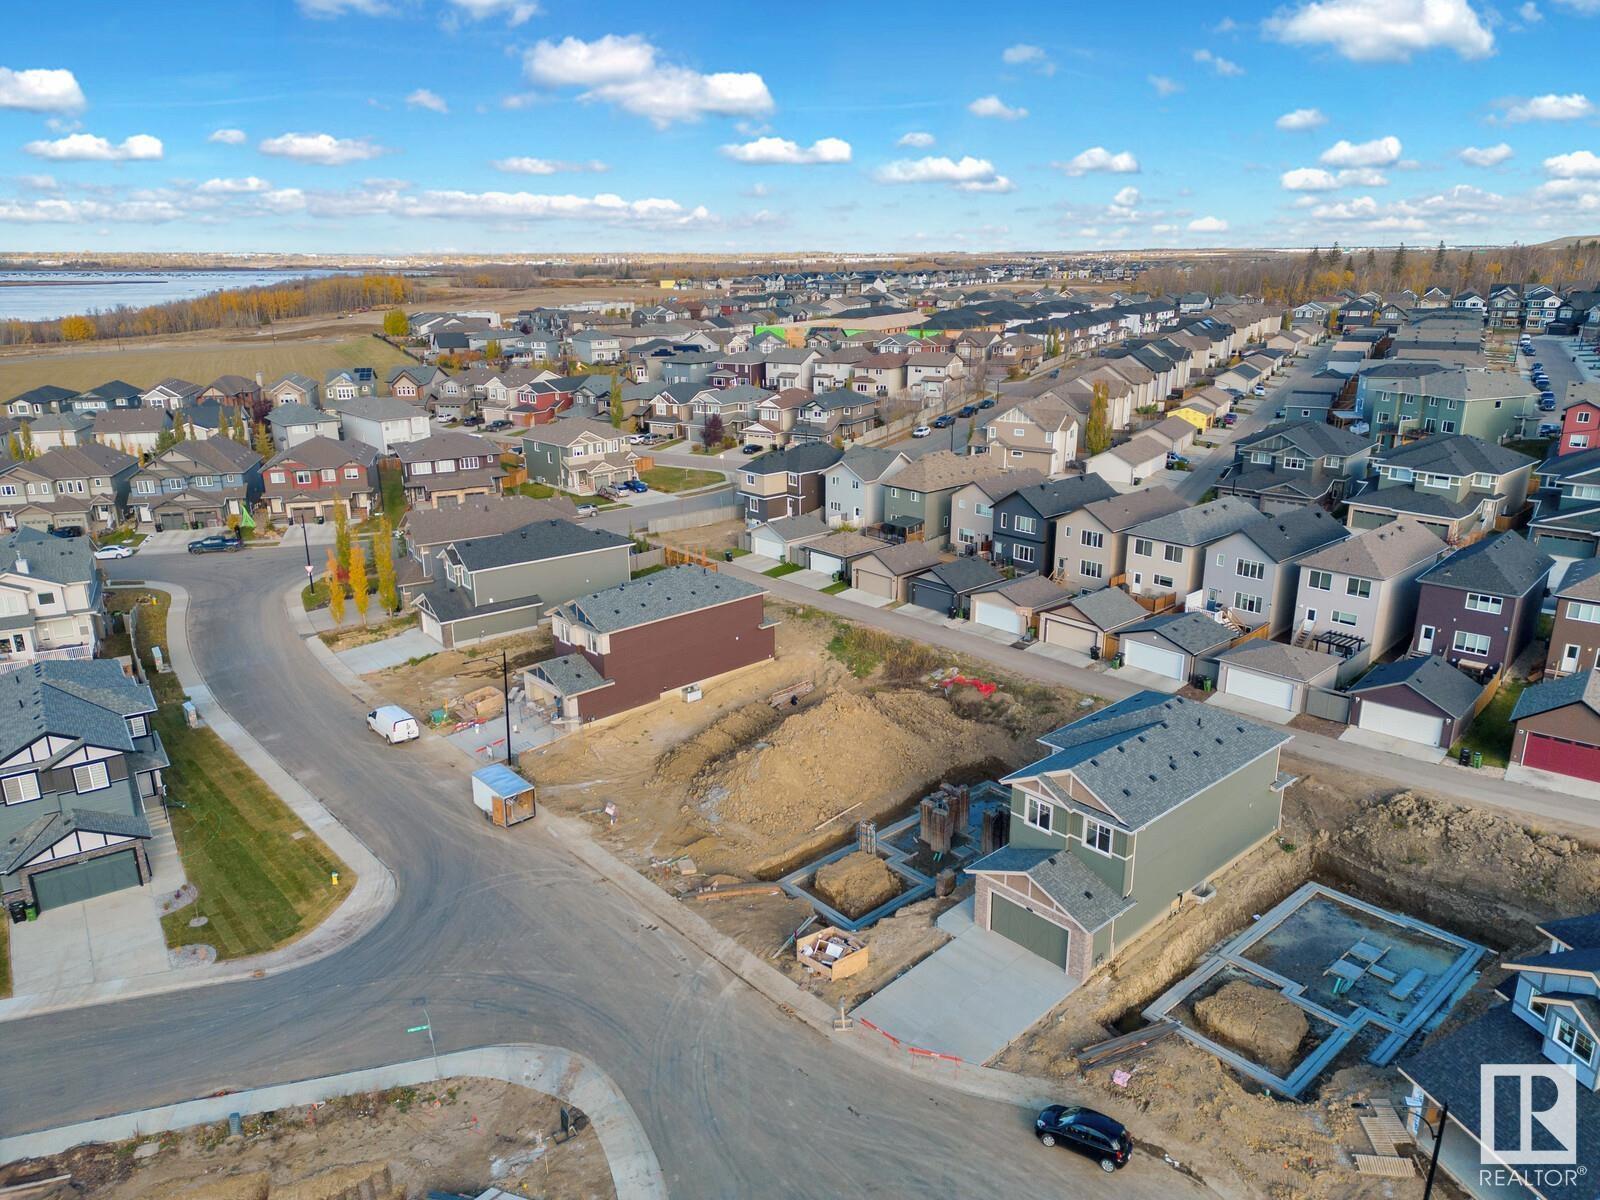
(446, 679)
(460, 1135)
(1260, 1022)
(856, 884)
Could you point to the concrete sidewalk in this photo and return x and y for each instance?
(390, 652)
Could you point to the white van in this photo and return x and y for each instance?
(393, 724)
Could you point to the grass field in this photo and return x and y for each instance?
(264, 878)
(144, 367)
(1491, 731)
(680, 479)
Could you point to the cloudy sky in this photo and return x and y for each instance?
(546, 125)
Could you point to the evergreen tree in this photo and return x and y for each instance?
(358, 579)
(1438, 261)
(1332, 258)
(335, 590)
(1372, 258)
(383, 554)
(1097, 433)
(1397, 264)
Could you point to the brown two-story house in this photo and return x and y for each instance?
(445, 468)
(1480, 606)
(1575, 634)
(82, 488)
(785, 483)
(319, 475)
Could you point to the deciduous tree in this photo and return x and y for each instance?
(383, 556)
(358, 580)
(77, 329)
(711, 432)
(396, 324)
(341, 534)
(335, 589)
(1097, 433)
(263, 440)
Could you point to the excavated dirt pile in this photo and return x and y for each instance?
(856, 884)
(1262, 1024)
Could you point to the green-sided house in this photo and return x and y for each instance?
(1135, 805)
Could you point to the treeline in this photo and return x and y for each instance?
(1292, 278)
(237, 308)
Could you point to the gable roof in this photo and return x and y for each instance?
(1378, 553)
(73, 462)
(1583, 688)
(322, 451)
(1062, 877)
(1428, 675)
(907, 558)
(534, 542)
(1201, 525)
(481, 516)
(1505, 565)
(568, 430)
(1056, 497)
(669, 593)
(1294, 534)
(1581, 580)
(965, 574)
(943, 469)
(868, 463)
(1455, 454)
(284, 415)
(56, 560)
(1299, 663)
(1109, 609)
(1192, 632)
(797, 460)
(1117, 513)
(86, 699)
(1315, 437)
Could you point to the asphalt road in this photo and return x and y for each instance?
(508, 939)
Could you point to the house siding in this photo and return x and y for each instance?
(1446, 610)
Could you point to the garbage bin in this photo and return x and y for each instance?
(1464, 757)
(1477, 758)
(727, 556)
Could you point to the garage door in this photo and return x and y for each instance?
(998, 615)
(1069, 637)
(1264, 689)
(874, 584)
(85, 880)
(827, 564)
(1167, 663)
(766, 543)
(929, 595)
(1031, 932)
(1563, 757)
(1397, 722)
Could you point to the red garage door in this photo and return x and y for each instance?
(1577, 759)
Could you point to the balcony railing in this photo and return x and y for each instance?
(17, 660)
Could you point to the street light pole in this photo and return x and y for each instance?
(505, 695)
(1438, 1140)
(307, 539)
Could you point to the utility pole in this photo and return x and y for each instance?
(505, 695)
(306, 537)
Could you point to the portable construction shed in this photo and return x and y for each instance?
(504, 797)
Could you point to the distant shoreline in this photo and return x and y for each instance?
(69, 282)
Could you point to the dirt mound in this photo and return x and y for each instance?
(360, 1181)
(867, 750)
(856, 884)
(1260, 1023)
(253, 1186)
(724, 737)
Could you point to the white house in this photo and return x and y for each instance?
(382, 422)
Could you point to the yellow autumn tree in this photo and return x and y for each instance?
(335, 589)
(358, 579)
(77, 329)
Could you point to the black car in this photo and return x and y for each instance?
(968, 410)
(217, 543)
(1090, 1133)
(986, 402)
(944, 422)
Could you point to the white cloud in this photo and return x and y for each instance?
(1315, 179)
(993, 106)
(40, 90)
(1301, 118)
(1485, 156)
(967, 174)
(248, 186)
(1380, 152)
(86, 147)
(765, 150)
(39, 183)
(423, 98)
(1385, 30)
(1530, 14)
(1099, 159)
(1583, 164)
(916, 139)
(545, 166)
(1164, 85)
(1126, 198)
(1163, 230)
(75, 212)
(1024, 55)
(512, 12)
(228, 137)
(1208, 225)
(625, 71)
(321, 148)
(1220, 65)
(1573, 106)
(338, 8)
(1587, 8)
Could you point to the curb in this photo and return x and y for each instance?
(635, 1172)
(368, 902)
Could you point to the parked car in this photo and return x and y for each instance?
(750, 448)
(636, 485)
(113, 552)
(587, 510)
(1229, 420)
(474, 419)
(1090, 1133)
(216, 543)
(1177, 462)
(1260, 389)
(497, 426)
(1548, 405)
(393, 724)
(987, 402)
(1547, 429)
(921, 431)
(1538, 366)
(944, 422)
(968, 410)
(637, 439)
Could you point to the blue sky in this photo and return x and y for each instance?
(514, 126)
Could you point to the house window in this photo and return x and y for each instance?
(1584, 612)
(1320, 581)
(1360, 588)
(1141, 546)
(1039, 814)
(1026, 525)
(1247, 603)
(1173, 554)
(274, 477)
(302, 476)
(1573, 1039)
(1333, 461)
(1090, 569)
(1478, 602)
(90, 778)
(981, 509)
(1585, 491)
(19, 789)
(1164, 581)
(329, 474)
(1097, 837)
(1578, 441)
(1246, 569)
(1292, 462)
(1471, 643)
(1343, 618)
(1093, 540)
(352, 472)
(138, 726)
(1021, 553)
(1447, 427)
(1581, 417)
(422, 468)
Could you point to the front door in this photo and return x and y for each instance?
(1569, 659)
(1425, 639)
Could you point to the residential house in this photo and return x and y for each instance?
(1132, 806)
(831, 372)
(972, 509)
(445, 468)
(775, 417)
(427, 531)
(1566, 521)
(1279, 676)
(1557, 731)
(195, 485)
(1296, 465)
(294, 388)
(1167, 555)
(1089, 623)
(1018, 605)
(341, 385)
(235, 391)
(790, 368)
(1420, 698)
(635, 643)
(917, 500)
(61, 429)
(879, 375)
(595, 346)
(783, 538)
(729, 408)
(413, 381)
(579, 455)
(948, 587)
(1040, 434)
(1456, 485)
(1574, 644)
(785, 482)
(935, 377)
(135, 431)
(82, 762)
(292, 423)
(51, 598)
(1091, 544)
(1358, 598)
(172, 394)
(1580, 428)
(488, 587)
(382, 422)
(836, 554)
(1176, 434)
(1487, 405)
(1253, 574)
(1129, 463)
(746, 368)
(887, 572)
(1479, 607)
(114, 393)
(1175, 645)
(1025, 521)
(82, 488)
(313, 478)
(840, 414)
(853, 486)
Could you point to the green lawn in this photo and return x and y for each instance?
(679, 479)
(782, 569)
(833, 589)
(260, 884)
(1491, 731)
(119, 537)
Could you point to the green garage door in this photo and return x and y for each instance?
(85, 880)
(1047, 940)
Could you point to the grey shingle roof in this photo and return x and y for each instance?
(868, 462)
(85, 699)
(284, 415)
(1122, 512)
(907, 558)
(1581, 580)
(321, 451)
(1378, 553)
(1505, 565)
(1201, 525)
(799, 460)
(1275, 658)
(535, 542)
(450, 603)
(1297, 533)
(1193, 633)
(1315, 437)
(1055, 497)
(1145, 755)
(1110, 608)
(1064, 879)
(40, 835)
(570, 675)
(1033, 592)
(1583, 688)
(1455, 454)
(481, 516)
(1579, 932)
(669, 593)
(799, 527)
(965, 574)
(1429, 676)
(58, 560)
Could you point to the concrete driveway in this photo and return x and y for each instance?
(1374, 740)
(94, 941)
(972, 997)
(390, 652)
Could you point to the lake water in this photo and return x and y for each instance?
(43, 295)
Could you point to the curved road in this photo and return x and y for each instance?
(510, 940)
